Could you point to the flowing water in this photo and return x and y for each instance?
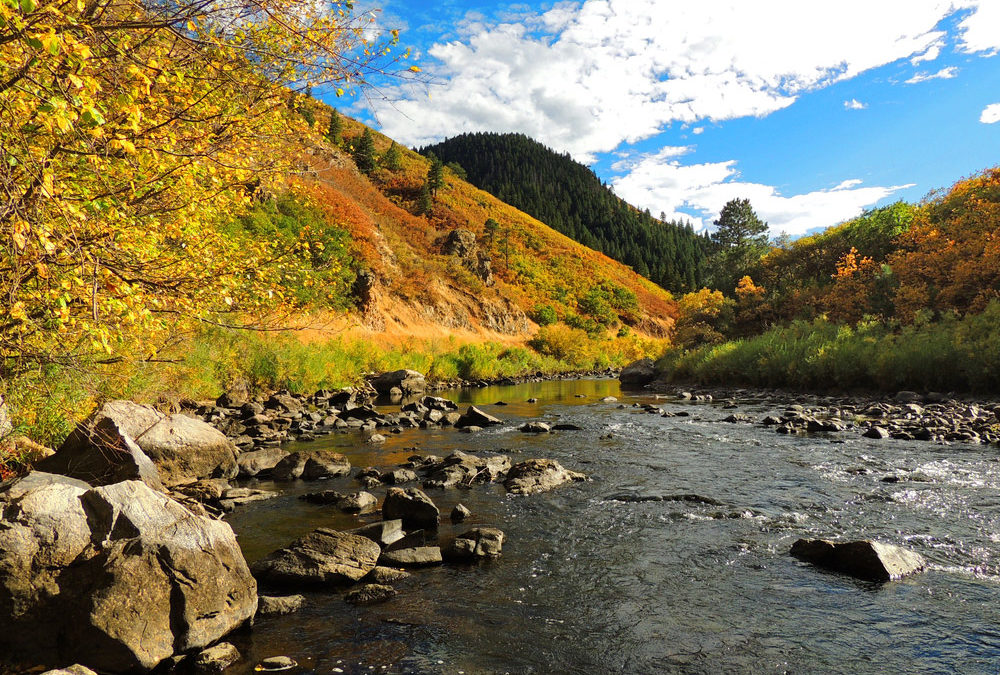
(590, 584)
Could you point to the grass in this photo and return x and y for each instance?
(951, 354)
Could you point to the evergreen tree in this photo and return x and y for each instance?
(490, 227)
(393, 158)
(364, 153)
(336, 128)
(435, 175)
(425, 205)
(740, 241)
(568, 197)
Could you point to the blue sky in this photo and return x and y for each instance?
(812, 110)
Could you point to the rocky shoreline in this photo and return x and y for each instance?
(113, 554)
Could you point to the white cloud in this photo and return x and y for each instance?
(943, 74)
(854, 104)
(980, 30)
(697, 131)
(664, 184)
(991, 114)
(931, 54)
(585, 77)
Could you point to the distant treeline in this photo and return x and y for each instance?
(570, 198)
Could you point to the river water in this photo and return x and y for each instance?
(590, 584)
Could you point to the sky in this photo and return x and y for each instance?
(814, 110)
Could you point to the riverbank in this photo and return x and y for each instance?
(950, 354)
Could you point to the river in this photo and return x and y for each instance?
(589, 584)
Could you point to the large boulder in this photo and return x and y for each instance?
(474, 417)
(412, 506)
(638, 373)
(407, 381)
(870, 560)
(118, 577)
(321, 558)
(109, 456)
(538, 475)
(460, 468)
(260, 462)
(183, 448)
(314, 465)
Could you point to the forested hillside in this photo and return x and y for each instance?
(568, 197)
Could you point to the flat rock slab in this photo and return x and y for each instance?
(538, 475)
(870, 560)
(418, 556)
(323, 557)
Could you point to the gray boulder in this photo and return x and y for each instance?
(538, 475)
(183, 448)
(260, 462)
(109, 456)
(407, 381)
(638, 373)
(384, 533)
(118, 577)
(476, 544)
(535, 428)
(870, 560)
(322, 557)
(474, 417)
(412, 506)
(416, 556)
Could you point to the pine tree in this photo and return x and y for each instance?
(740, 241)
(336, 128)
(435, 175)
(393, 158)
(425, 205)
(364, 153)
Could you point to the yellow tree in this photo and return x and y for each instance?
(130, 131)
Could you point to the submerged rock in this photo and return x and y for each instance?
(870, 560)
(385, 575)
(279, 605)
(216, 659)
(369, 594)
(538, 475)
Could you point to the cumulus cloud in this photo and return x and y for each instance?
(586, 77)
(991, 114)
(979, 30)
(854, 104)
(943, 74)
(697, 192)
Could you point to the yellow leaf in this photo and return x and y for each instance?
(415, 69)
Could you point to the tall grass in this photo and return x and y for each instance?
(951, 354)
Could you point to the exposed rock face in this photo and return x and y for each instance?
(474, 417)
(109, 456)
(322, 557)
(476, 544)
(184, 449)
(538, 475)
(870, 560)
(461, 243)
(412, 506)
(6, 426)
(407, 381)
(118, 577)
(638, 373)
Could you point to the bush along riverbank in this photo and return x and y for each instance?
(122, 522)
(951, 354)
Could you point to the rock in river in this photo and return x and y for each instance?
(322, 557)
(118, 577)
(407, 381)
(638, 373)
(538, 475)
(474, 417)
(476, 544)
(412, 506)
(869, 560)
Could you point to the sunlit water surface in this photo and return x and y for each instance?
(588, 584)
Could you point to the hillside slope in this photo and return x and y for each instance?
(567, 196)
(446, 269)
